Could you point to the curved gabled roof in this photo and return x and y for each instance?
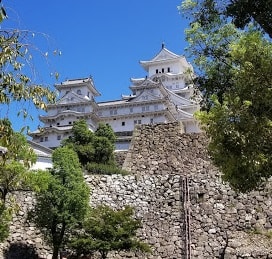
(71, 98)
(45, 118)
(162, 56)
(70, 83)
(40, 132)
(141, 84)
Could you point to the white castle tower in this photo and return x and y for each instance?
(164, 95)
(76, 102)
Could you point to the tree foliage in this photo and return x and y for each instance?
(234, 69)
(17, 81)
(64, 203)
(15, 84)
(108, 230)
(15, 163)
(91, 146)
(240, 12)
(14, 171)
(245, 11)
(105, 130)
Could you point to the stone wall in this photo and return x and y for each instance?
(186, 210)
(25, 241)
(120, 157)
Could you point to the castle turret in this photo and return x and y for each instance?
(76, 102)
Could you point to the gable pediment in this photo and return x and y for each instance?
(71, 98)
(164, 54)
(148, 82)
(146, 95)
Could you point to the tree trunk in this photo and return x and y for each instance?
(55, 252)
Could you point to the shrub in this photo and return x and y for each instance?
(94, 168)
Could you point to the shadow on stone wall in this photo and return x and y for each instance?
(21, 250)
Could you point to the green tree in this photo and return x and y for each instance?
(243, 12)
(105, 130)
(81, 141)
(64, 203)
(16, 85)
(234, 76)
(103, 150)
(16, 81)
(92, 147)
(108, 230)
(209, 37)
(14, 171)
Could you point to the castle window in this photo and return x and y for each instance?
(59, 137)
(137, 122)
(131, 109)
(41, 139)
(79, 92)
(168, 69)
(157, 71)
(45, 138)
(123, 123)
(162, 70)
(58, 124)
(151, 121)
(70, 122)
(145, 108)
(113, 112)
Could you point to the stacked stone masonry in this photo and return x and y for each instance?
(185, 208)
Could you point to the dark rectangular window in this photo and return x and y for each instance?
(168, 69)
(123, 123)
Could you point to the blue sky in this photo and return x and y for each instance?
(102, 38)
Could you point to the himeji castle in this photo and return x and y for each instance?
(164, 95)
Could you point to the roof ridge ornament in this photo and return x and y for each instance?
(163, 45)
